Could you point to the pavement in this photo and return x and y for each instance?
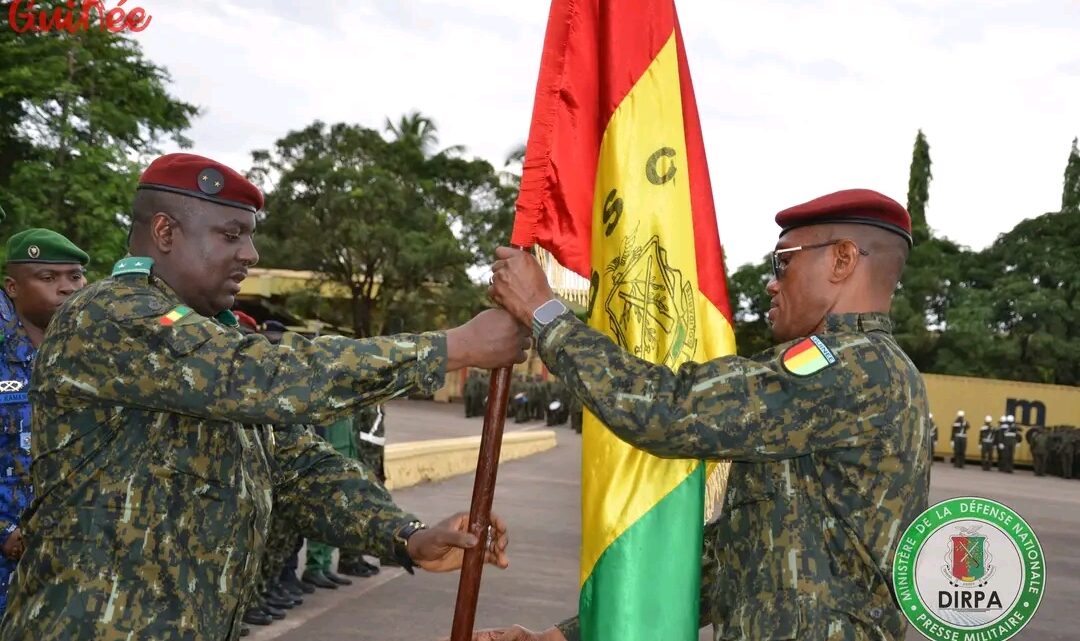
(539, 497)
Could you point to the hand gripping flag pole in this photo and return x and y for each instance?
(487, 467)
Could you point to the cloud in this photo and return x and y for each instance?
(797, 98)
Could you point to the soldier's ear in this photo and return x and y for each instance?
(162, 228)
(11, 287)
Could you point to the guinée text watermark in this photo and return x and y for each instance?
(74, 16)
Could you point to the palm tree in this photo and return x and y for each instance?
(421, 132)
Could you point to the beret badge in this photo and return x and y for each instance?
(211, 181)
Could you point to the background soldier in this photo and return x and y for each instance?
(1039, 443)
(369, 429)
(933, 437)
(1070, 442)
(988, 440)
(43, 270)
(959, 439)
(1009, 437)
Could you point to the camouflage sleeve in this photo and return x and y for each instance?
(331, 498)
(570, 629)
(730, 407)
(199, 368)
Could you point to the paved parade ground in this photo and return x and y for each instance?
(539, 497)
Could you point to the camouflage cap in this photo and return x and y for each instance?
(38, 245)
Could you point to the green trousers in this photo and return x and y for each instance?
(340, 435)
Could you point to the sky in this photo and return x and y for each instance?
(798, 98)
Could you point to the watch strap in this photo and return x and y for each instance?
(401, 544)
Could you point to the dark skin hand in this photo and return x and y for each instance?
(441, 548)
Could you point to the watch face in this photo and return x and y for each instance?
(549, 311)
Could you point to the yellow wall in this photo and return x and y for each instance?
(980, 396)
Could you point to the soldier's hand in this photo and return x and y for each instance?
(442, 548)
(517, 633)
(518, 283)
(14, 546)
(492, 339)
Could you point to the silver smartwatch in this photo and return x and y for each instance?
(546, 313)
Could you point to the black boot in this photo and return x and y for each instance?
(374, 569)
(276, 613)
(273, 600)
(281, 594)
(355, 568)
(295, 586)
(340, 580)
(255, 616)
(244, 630)
(318, 579)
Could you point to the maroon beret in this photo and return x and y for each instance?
(199, 177)
(859, 206)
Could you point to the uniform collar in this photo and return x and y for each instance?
(862, 323)
(225, 317)
(16, 343)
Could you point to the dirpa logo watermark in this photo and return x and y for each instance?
(969, 569)
(74, 16)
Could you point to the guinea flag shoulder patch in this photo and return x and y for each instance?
(808, 356)
(176, 314)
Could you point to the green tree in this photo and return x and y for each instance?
(79, 114)
(749, 305)
(919, 188)
(378, 216)
(1070, 195)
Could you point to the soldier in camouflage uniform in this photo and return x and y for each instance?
(1040, 448)
(43, 270)
(831, 459)
(163, 434)
(369, 432)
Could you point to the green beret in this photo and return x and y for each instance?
(43, 246)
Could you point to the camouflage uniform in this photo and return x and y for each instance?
(156, 469)
(1040, 448)
(369, 434)
(15, 488)
(829, 468)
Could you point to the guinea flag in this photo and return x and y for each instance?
(616, 187)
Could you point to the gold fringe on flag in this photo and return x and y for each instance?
(566, 284)
(571, 287)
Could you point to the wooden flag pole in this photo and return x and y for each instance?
(480, 513)
(487, 467)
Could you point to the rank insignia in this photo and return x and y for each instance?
(807, 357)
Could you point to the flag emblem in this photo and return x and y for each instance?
(807, 357)
(176, 314)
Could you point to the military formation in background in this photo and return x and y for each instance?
(1054, 450)
(531, 399)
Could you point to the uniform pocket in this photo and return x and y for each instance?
(767, 617)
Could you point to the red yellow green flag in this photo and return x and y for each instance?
(615, 185)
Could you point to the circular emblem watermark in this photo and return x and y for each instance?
(969, 569)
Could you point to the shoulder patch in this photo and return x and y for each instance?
(176, 314)
(133, 265)
(808, 356)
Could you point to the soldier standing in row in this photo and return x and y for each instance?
(1008, 437)
(988, 439)
(959, 439)
(811, 557)
(933, 437)
(369, 431)
(1070, 443)
(1040, 450)
(161, 448)
(43, 270)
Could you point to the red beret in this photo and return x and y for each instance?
(200, 177)
(246, 320)
(859, 206)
